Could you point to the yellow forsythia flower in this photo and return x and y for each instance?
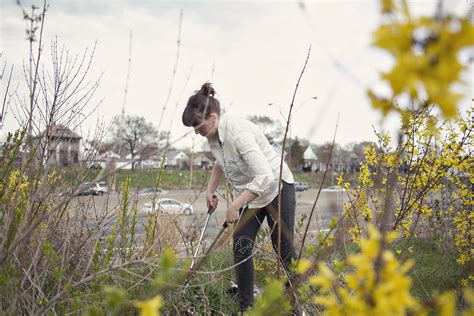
(468, 294)
(303, 266)
(446, 303)
(371, 288)
(324, 279)
(150, 307)
(391, 237)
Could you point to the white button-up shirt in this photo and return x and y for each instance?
(248, 160)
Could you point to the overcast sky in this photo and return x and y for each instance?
(253, 52)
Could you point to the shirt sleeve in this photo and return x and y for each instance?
(257, 163)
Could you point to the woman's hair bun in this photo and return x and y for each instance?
(207, 89)
(200, 106)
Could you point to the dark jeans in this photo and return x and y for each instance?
(246, 232)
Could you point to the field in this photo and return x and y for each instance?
(180, 179)
(435, 269)
(393, 236)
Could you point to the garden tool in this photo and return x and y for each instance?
(214, 242)
(209, 212)
(186, 283)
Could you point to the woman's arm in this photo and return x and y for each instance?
(256, 163)
(216, 176)
(258, 166)
(242, 200)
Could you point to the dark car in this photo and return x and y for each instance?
(150, 192)
(86, 188)
(91, 188)
(301, 186)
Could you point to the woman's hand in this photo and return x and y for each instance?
(232, 214)
(211, 201)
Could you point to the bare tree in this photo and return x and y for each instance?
(133, 132)
(272, 129)
(53, 243)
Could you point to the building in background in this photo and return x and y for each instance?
(60, 145)
(203, 160)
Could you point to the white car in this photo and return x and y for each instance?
(170, 206)
(101, 187)
(334, 188)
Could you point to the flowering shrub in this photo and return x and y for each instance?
(424, 170)
(425, 52)
(375, 283)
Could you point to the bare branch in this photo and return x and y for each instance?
(288, 121)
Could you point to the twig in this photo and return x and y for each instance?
(128, 73)
(174, 71)
(3, 112)
(33, 82)
(283, 156)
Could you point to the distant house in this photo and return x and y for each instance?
(203, 160)
(110, 154)
(100, 160)
(117, 156)
(311, 161)
(151, 157)
(123, 163)
(177, 160)
(62, 145)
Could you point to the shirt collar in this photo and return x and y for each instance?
(222, 129)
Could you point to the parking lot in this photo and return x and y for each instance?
(329, 204)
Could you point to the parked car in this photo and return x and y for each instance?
(170, 206)
(101, 187)
(334, 188)
(65, 192)
(301, 186)
(86, 188)
(152, 192)
(91, 188)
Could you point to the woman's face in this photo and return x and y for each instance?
(208, 127)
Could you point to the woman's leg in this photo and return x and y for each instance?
(244, 238)
(288, 202)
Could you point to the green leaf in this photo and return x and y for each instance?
(272, 301)
(333, 222)
(115, 297)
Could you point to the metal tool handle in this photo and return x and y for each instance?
(200, 241)
(209, 212)
(214, 242)
(208, 251)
